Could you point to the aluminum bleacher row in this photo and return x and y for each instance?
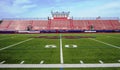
(60, 24)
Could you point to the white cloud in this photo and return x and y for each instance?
(18, 2)
(104, 9)
(88, 8)
(57, 1)
(18, 7)
(82, 10)
(29, 6)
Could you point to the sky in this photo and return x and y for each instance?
(43, 8)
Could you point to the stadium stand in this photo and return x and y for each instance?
(61, 21)
(80, 25)
(60, 24)
(40, 25)
(5, 24)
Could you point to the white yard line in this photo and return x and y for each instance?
(61, 51)
(59, 65)
(15, 44)
(105, 43)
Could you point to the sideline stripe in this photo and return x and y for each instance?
(60, 65)
(61, 51)
(105, 43)
(15, 44)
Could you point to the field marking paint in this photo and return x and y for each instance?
(74, 46)
(101, 61)
(66, 46)
(71, 46)
(50, 46)
(115, 65)
(15, 44)
(61, 51)
(2, 62)
(118, 60)
(105, 43)
(22, 62)
(41, 62)
(81, 62)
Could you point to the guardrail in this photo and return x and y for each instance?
(95, 18)
(24, 18)
(74, 18)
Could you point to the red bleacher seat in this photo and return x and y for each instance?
(40, 25)
(60, 24)
(57, 24)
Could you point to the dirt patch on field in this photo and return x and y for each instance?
(71, 37)
(47, 37)
(77, 37)
(65, 37)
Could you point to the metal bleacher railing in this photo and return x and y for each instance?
(95, 18)
(24, 18)
(74, 18)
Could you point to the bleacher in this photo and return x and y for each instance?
(60, 24)
(40, 24)
(80, 25)
(60, 21)
(5, 24)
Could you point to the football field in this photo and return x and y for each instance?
(58, 48)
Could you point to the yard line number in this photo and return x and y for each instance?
(66, 46)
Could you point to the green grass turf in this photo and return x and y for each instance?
(8, 40)
(91, 51)
(32, 52)
(92, 69)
